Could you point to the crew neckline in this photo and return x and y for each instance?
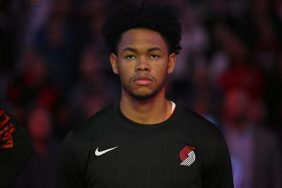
(139, 126)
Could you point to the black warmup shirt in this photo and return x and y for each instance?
(110, 151)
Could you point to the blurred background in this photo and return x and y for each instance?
(55, 73)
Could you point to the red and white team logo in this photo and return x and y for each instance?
(187, 155)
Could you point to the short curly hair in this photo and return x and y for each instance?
(157, 17)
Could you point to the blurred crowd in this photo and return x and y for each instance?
(55, 73)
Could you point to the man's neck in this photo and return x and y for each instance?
(146, 111)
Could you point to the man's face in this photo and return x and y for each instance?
(142, 62)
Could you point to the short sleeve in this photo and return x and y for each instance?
(218, 171)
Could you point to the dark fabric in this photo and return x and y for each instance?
(15, 149)
(146, 156)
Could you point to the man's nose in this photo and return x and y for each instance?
(143, 65)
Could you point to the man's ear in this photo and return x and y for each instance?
(114, 64)
(171, 63)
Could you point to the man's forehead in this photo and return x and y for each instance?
(134, 49)
(141, 35)
(141, 39)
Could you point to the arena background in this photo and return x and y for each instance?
(55, 73)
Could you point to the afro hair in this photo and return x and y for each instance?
(157, 17)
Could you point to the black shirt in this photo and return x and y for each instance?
(15, 149)
(111, 151)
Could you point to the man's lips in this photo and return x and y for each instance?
(143, 80)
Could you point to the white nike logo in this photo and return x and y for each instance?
(98, 153)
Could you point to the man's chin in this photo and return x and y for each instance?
(143, 95)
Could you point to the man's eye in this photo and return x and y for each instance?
(130, 57)
(152, 56)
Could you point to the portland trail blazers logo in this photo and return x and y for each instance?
(187, 155)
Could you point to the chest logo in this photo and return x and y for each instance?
(187, 156)
(98, 153)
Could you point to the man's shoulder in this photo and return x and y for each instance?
(94, 124)
(207, 137)
(195, 121)
(103, 115)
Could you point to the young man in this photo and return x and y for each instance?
(145, 141)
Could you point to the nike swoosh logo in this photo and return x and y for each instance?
(98, 153)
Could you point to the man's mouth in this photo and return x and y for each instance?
(143, 80)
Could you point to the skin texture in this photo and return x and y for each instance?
(143, 63)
